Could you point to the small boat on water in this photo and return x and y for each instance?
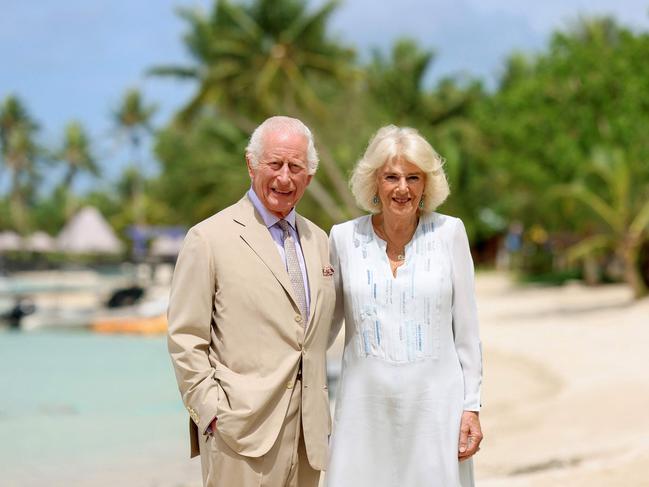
(147, 318)
(136, 325)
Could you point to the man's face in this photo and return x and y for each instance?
(281, 177)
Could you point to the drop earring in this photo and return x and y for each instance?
(421, 203)
(375, 200)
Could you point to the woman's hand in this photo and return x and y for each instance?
(470, 435)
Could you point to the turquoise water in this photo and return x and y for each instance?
(84, 401)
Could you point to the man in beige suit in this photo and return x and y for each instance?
(249, 315)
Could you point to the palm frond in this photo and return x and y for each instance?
(307, 22)
(242, 19)
(304, 91)
(640, 223)
(589, 246)
(174, 71)
(599, 206)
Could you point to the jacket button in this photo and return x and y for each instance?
(289, 385)
(298, 318)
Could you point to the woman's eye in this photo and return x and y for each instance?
(390, 177)
(413, 179)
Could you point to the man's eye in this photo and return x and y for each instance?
(275, 166)
(295, 168)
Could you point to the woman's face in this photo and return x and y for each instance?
(400, 186)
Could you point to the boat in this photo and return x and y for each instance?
(133, 325)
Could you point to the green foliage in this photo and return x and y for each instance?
(398, 81)
(77, 157)
(589, 89)
(618, 199)
(551, 112)
(19, 152)
(76, 153)
(133, 116)
(553, 278)
(203, 169)
(49, 213)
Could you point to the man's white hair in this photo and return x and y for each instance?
(391, 143)
(286, 125)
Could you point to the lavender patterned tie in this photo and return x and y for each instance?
(293, 268)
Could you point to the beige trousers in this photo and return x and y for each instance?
(285, 464)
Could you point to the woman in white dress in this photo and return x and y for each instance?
(407, 407)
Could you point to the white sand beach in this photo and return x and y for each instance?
(566, 386)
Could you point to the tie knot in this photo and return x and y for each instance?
(284, 225)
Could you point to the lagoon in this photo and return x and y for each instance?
(78, 408)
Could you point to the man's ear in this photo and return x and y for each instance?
(251, 171)
(308, 179)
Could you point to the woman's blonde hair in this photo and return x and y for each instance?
(390, 143)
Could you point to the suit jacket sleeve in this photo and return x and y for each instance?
(190, 317)
(465, 318)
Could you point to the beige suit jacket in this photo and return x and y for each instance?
(236, 337)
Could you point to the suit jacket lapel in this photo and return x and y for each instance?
(257, 236)
(312, 261)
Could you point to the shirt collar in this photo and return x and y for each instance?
(268, 218)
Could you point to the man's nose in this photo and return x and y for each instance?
(284, 174)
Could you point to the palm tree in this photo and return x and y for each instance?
(397, 79)
(133, 117)
(260, 58)
(77, 154)
(266, 57)
(620, 200)
(19, 152)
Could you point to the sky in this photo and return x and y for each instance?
(74, 59)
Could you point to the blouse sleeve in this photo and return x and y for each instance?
(465, 318)
(339, 309)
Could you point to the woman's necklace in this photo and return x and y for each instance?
(401, 256)
(401, 250)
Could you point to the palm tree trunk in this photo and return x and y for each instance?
(138, 204)
(69, 177)
(339, 182)
(324, 199)
(17, 205)
(591, 270)
(632, 275)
